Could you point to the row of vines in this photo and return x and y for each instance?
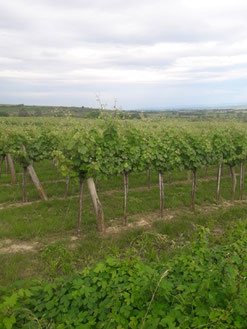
(91, 150)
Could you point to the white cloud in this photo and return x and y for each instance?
(108, 44)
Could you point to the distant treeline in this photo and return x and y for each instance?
(22, 110)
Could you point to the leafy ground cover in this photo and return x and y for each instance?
(204, 286)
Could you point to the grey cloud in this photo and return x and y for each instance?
(60, 51)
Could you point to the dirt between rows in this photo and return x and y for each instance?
(8, 246)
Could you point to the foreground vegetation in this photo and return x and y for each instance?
(201, 287)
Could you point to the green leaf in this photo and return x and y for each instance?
(8, 322)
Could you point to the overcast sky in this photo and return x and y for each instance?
(144, 53)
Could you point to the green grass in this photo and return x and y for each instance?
(56, 189)
(56, 219)
(56, 215)
(19, 266)
(144, 242)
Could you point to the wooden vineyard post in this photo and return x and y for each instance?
(206, 171)
(35, 179)
(24, 183)
(193, 191)
(218, 182)
(11, 165)
(36, 182)
(241, 181)
(188, 175)
(6, 165)
(1, 163)
(169, 177)
(67, 187)
(126, 188)
(97, 185)
(97, 205)
(80, 205)
(29, 177)
(234, 182)
(148, 177)
(53, 164)
(161, 188)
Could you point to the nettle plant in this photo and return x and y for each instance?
(202, 288)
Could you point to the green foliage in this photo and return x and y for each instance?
(11, 308)
(108, 147)
(3, 114)
(77, 152)
(202, 288)
(230, 145)
(165, 150)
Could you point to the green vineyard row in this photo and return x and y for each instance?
(88, 150)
